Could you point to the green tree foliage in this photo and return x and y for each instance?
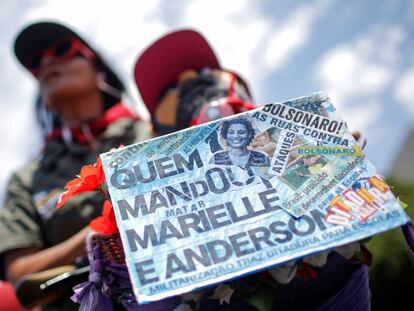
(392, 271)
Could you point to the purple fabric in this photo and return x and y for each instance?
(341, 285)
(408, 231)
(317, 292)
(109, 284)
(117, 284)
(354, 295)
(236, 304)
(88, 294)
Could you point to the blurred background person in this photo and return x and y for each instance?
(81, 113)
(187, 86)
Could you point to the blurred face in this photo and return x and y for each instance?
(60, 80)
(237, 135)
(65, 69)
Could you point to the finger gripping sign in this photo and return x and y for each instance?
(242, 194)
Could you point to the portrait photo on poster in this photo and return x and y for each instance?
(238, 134)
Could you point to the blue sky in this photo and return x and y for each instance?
(361, 53)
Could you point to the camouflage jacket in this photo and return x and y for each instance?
(29, 217)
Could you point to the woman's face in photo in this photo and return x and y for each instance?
(237, 135)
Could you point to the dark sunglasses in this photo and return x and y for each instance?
(61, 50)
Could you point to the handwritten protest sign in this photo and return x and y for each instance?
(241, 194)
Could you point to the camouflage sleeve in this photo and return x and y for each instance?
(19, 222)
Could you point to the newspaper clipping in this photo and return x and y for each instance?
(241, 194)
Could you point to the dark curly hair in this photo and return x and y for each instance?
(227, 123)
(194, 94)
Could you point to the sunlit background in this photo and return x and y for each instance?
(360, 52)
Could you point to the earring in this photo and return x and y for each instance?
(105, 87)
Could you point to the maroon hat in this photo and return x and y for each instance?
(161, 63)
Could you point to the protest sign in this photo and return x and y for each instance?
(242, 194)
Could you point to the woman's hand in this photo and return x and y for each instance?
(24, 261)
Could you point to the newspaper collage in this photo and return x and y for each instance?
(242, 194)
